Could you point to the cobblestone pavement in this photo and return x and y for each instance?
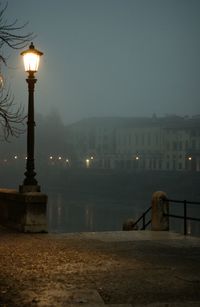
(138, 268)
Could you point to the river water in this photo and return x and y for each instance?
(94, 200)
(88, 202)
(68, 215)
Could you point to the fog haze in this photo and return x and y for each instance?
(111, 57)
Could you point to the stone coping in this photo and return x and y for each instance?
(13, 194)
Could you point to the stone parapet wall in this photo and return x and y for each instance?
(25, 212)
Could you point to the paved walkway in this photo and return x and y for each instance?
(137, 268)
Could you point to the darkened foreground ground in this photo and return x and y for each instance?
(136, 268)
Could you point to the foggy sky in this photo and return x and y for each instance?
(111, 57)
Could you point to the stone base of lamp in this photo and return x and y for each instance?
(25, 212)
(29, 188)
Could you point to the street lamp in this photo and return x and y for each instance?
(31, 59)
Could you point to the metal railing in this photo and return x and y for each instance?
(143, 219)
(184, 216)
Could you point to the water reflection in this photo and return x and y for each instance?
(67, 214)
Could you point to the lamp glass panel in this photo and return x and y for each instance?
(31, 62)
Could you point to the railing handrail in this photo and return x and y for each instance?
(184, 217)
(182, 201)
(142, 217)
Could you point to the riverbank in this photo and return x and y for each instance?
(101, 200)
(111, 184)
(136, 268)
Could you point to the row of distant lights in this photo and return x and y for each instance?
(87, 160)
(59, 158)
(138, 158)
(15, 157)
(50, 158)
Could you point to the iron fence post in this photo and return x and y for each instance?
(185, 217)
(143, 221)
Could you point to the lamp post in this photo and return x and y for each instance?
(31, 59)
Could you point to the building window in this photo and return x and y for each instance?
(129, 139)
(91, 141)
(193, 144)
(156, 139)
(167, 146)
(149, 139)
(142, 139)
(174, 145)
(168, 165)
(136, 139)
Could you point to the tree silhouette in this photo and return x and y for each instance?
(11, 36)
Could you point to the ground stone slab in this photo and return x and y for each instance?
(85, 297)
(188, 304)
(116, 269)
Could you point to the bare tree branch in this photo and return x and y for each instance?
(11, 35)
(11, 118)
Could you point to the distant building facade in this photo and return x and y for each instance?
(167, 143)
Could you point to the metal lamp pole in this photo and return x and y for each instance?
(31, 63)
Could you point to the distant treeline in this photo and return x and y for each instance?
(50, 138)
